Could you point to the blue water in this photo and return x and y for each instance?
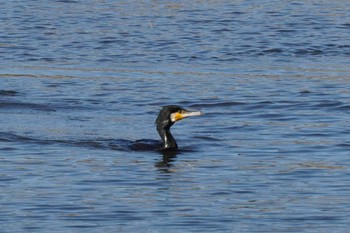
(79, 80)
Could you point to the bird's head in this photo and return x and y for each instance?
(170, 114)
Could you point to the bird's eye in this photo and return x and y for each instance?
(182, 111)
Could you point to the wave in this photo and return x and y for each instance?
(97, 143)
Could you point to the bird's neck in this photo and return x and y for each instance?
(168, 139)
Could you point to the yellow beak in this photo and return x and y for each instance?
(183, 114)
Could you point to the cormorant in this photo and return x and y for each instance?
(167, 116)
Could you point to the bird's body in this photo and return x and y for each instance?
(167, 116)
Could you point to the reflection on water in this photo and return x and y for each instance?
(166, 162)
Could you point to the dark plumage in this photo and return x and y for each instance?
(167, 116)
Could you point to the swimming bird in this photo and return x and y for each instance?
(167, 116)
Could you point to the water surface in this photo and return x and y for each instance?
(80, 80)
